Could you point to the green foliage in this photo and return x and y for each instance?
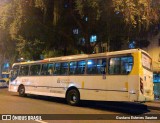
(31, 28)
(137, 12)
(52, 53)
(89, 8)
(29, 49)
(25, 28)
(41, 4)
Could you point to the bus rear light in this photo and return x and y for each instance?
(141, 85)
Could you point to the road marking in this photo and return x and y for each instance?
(40, 121)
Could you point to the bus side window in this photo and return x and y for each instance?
(24, 71)
(44, 70)
(114, 65)
(92, 66)
(96, 66)
(81, 67)
(126, 64)
(120, 65)
(57, 67)
(73, 68)
(35, 70)
(64, 68)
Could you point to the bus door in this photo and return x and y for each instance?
(60, 79)
(34, 78)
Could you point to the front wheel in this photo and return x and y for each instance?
(73, 97)
(21, 91)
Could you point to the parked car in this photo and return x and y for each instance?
(3, 83)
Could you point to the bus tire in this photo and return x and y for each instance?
(73, 97)
(21, 91)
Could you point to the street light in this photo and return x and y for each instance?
(20, 59)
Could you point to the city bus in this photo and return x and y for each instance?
(111, 76)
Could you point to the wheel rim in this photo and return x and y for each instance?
(22, 91)
(74, 98)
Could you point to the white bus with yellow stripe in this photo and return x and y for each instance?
(112, 76)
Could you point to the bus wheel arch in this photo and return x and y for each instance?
(73, 96)
(21, 90)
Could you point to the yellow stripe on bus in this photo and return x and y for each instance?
(137, 64)
(126, 86)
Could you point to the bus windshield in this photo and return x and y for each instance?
(146, 62)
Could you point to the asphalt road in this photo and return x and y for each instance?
(11, 103)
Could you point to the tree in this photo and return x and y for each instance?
(64, 27)
(140, 16)
(137, 13)
(7, 51)
(25, 26)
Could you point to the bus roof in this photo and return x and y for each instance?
(82, 56)
(62, 58)
(31, 62)
(126, 51)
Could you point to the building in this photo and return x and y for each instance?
(154, 50)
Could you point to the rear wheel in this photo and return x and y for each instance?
(21, 91)
(73, 97)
